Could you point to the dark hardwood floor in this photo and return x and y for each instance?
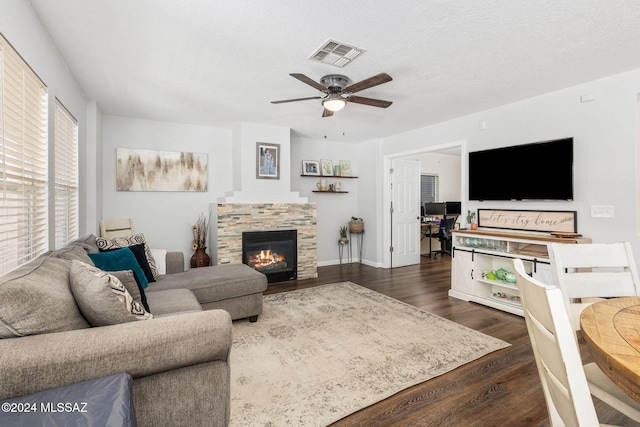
(500, 389)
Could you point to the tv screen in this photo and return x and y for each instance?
(538, 171)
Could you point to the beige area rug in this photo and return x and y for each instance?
(317, 355)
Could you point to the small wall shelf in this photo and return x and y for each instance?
(318, 191)
(329, 176)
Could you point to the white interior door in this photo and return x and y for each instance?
(405, 189)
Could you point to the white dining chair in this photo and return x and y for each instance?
(110, 228)
(586, 273)
(566, 383)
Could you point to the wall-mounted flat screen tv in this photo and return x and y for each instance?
(538, 171)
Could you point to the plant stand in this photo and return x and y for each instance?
(358, 238)
(341, 245)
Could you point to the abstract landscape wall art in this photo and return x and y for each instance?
(150, 170)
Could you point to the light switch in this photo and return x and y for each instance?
(602, 211)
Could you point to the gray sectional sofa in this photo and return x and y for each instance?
(179, 359)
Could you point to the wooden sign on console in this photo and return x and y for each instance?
(546, 221)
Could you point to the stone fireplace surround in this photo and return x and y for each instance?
(235, 218)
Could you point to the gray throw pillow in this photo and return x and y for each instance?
(102, 298)
(36, 299)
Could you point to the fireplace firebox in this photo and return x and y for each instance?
(273, 253)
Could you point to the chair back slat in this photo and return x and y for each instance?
(596, 270)
(111, 228)
(555, 349)
(600, 284)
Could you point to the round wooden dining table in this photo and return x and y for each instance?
(611, 329)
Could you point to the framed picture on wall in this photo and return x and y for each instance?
(345, 168)
(327, 167)
(310, 167)
(267, 161)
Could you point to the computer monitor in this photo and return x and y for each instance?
(431, 209)
(453, 208)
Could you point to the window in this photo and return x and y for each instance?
(66, 177)
(23, 161)
(428, 188)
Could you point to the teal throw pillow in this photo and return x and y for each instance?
(118, 260)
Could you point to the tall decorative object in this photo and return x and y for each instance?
(200, 258)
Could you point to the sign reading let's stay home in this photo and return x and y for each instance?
(550, 221)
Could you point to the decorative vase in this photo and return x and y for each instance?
(200, 258)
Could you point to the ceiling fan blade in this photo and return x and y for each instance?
(327, 113)
(369, 101)
(308, 80)
(294, 100)
(367, 83)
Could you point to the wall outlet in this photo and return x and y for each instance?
(602, 211)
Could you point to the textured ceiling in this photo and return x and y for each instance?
(220, 62)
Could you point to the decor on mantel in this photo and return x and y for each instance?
(200, 258)
(267, 161)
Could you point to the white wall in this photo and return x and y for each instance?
(333, 209)
(21, 27)
(447, 167)
(605, 149)
(165, 218)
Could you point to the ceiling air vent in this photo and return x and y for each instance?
(336, 53)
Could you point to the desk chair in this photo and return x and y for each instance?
(566, 383)
(110, 228)
(447, 223)
(586, 273)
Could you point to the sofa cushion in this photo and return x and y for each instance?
(102, 298)
(88, 242)
(123, 242)
(214, 283)
(77, 252)
(36, 299)
(129, 281)
(117, 260)
(173, 301)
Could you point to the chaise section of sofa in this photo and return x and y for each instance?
(235, 288)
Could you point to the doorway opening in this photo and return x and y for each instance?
(449, 162)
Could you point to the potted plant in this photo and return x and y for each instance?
(471, 219)
(343, 234)
(356, 225)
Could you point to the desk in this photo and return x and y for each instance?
(611, 329)
(427, 231)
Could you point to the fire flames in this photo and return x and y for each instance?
(264, 259)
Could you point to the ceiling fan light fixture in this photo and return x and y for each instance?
(334, 104)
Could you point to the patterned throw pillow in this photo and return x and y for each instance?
(102, 298)
(105, 244)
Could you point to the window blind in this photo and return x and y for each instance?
(429, 188)
(23, 161)
(66, 176)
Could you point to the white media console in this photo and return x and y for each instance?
(477, 252)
